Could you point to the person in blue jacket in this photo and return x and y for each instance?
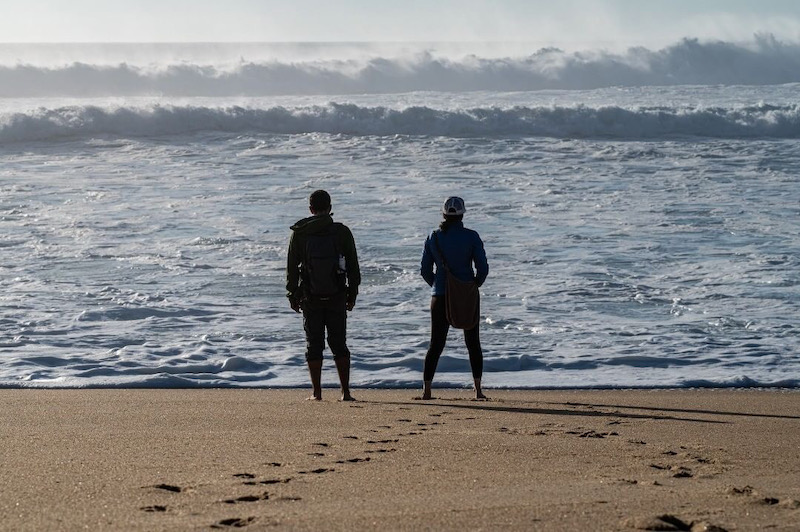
(462, 249)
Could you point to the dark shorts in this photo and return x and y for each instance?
(320, 315)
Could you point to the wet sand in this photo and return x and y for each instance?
(525, 460)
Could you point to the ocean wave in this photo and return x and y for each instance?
(765, 61)
(401, 381)
(77, 122)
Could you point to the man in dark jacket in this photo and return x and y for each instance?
(324, 302)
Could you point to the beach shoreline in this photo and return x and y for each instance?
(183, 459)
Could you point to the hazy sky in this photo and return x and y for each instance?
(561, 22)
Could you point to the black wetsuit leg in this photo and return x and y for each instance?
(473, 341)
(439, 329)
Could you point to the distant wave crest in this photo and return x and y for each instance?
(765, 61)
(560, 122)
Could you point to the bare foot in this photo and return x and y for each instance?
(424, 397)
(314, 398)
(480, 397)
(347, 397)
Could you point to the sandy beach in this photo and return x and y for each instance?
(532, 460)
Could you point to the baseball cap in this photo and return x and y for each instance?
(454, 206)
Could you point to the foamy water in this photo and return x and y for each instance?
(644, 235)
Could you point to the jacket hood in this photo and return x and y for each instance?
(312, 224)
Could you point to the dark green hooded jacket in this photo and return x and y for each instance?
(297, 246)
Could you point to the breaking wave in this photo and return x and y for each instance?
(758, 121)
(765, 61)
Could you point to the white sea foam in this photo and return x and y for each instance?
(76, 122)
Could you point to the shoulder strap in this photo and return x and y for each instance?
(439, 249)
(334, 232)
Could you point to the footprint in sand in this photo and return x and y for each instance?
(677, 471)
(350, 437)
(274, 464)
(593, 434)
(276, 481)
(248, 498)
(316, 454)
(670, 522)
(244, 475)
(380, 450)
(321, 444)
(154, 508)
(317, 471)
(404, 420)
(749, 491)
(383, 441)
(353, 460)
(235, 522)
(774, 501)
(167, 487)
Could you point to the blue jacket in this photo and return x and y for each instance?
(462, 248)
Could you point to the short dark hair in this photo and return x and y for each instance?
(319, 201)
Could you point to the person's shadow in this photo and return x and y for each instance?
(681, 410)
(493, 406)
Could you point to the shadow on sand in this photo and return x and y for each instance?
(493, 406)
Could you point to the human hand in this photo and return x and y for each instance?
(351, 301)
(295, 304)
